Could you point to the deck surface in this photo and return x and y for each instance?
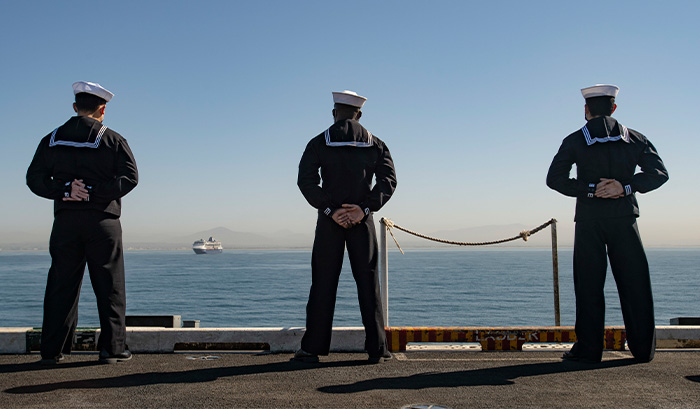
(457, 378)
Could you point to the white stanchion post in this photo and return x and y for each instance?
(555, 273)
(384, 258)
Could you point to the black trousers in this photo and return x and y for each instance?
(81, 237)
(326, 263)
(619, 238)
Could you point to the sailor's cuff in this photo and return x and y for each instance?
(328, 212)
(628, 190)
(67, 189)
(366, 211)
(591, 190)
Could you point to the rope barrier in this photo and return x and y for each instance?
(523, 235)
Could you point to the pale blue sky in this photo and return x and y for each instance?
(218, 100)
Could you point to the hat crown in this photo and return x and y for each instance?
(600, 90)
(349, 98)
(92, 88)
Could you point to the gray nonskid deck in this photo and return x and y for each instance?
(454, 379)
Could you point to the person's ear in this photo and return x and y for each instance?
(75, 108)
(614, 108)
(358, 116)
(333, 113)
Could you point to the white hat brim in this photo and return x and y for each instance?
(349, 98)
(92, 88)
(600, 90)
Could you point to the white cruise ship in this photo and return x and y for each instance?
(211, 246)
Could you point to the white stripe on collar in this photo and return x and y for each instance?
(624, 135)
(94, 145)
(370, 141)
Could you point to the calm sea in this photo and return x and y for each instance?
(269, 288)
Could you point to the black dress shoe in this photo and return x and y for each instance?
(107, 358)
(303, 356)
(570, 356)
(52, 361)
(377, 359)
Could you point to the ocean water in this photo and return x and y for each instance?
(427, 287)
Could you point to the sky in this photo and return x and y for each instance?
(217, 100)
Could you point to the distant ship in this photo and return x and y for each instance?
(211, 246)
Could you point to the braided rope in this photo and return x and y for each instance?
(523, 234)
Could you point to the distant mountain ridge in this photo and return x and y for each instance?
(235, 239)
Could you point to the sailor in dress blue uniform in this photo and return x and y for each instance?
(606, 155)
(348, 157)
(85, 168)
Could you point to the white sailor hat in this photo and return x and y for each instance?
(92, 88)
(600, 90)
(349, 98)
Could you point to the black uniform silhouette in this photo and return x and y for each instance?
(348, 157)
(607, 227)
(84, 232)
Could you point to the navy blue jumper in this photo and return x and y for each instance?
(607, 228)
(85, 232)
(348, 157)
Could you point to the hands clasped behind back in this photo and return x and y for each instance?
(609, 189)
(348, 215)
(78, 192)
